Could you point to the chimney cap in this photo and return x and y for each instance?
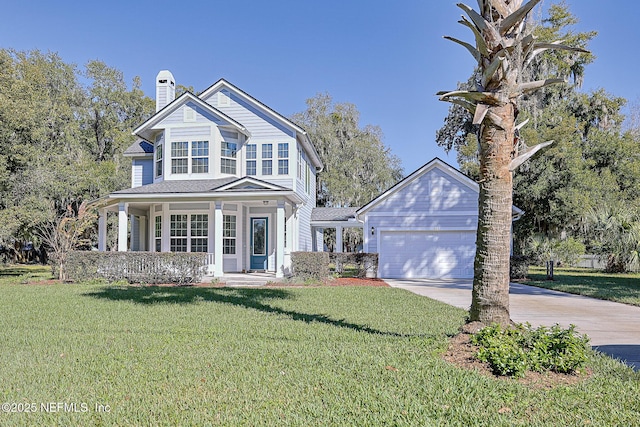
(165, 77)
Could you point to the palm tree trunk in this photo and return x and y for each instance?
(490, 297)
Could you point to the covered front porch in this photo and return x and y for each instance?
(338, 219)
(239, 234)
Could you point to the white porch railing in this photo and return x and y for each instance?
(210, 263)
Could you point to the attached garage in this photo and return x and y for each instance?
(427, 254)
(424, 227)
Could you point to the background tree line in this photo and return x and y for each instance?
(63, 130)
(581, 193)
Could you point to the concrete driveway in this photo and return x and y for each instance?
(614, 328)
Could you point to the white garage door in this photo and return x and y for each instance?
(427, 254)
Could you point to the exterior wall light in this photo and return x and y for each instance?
(373, 231)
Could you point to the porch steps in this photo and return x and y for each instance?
(248, 279)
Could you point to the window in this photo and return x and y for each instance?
(228, 157)
(300, 163)
(229, 234)
(200, 157)
(283, 159)
(251, 167)
(158, 233)
(251, 156)
(266, 167)
(179, 233)
(199, 232)
(307, 178)
(267, 153)
(179, 157)
(283, 151)
(158, 160)
(283, 167)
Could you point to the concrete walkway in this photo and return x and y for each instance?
(614, 328)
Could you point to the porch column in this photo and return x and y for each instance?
(280, 239)
(217, 241)
(338, 239)
(102, 230)
(318, 239)
(122, 227)
(143, 234)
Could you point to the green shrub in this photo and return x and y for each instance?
(513, 351)
(519, 267)
(310, 265)
(137, 267)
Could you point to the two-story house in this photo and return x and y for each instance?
(219, 173)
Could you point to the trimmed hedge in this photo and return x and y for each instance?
(310, 265)
(366, 263)
(137, 267)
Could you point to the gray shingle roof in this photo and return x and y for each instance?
(191, 186)
(196, 186)
(139, 147)
(333, 214)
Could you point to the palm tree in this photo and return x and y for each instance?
(504, 47)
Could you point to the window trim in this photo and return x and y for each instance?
(229, 235)
(175, 158)
(158, 233)
(159, 160)
(227, 160)
(188, 237)
(194, 157)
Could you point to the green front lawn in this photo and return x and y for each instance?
(623, 288)
(270, 356)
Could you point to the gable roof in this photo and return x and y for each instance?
(433, 164)
(333, 214)
(301, 134)
(248, 183)
(145, 130)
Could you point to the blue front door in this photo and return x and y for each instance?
(259, 243)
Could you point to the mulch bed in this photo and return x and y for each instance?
(340, 281)
(461, 353)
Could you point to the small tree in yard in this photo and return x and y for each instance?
(65, 233)
(503, 49)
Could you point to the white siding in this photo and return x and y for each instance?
(305, 239)
(202, 116)
(255, 120)
(435, 191)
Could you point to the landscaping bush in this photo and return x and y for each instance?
(366, 265)
(137, 267)
(310, 265)
(513, 351)
(519, 267)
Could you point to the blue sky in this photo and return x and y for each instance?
(387, 58)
